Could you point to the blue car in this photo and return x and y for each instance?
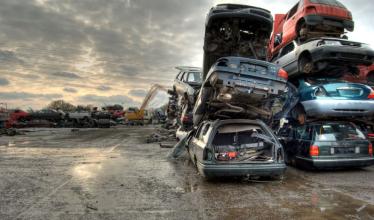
(326, 98)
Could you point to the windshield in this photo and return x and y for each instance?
(337, 132)
(328, 2)
(194, 77)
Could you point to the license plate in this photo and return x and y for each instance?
(344, 150)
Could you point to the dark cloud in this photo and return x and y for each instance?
(104, 88)
(28, 96)
(108, 100)
(138, 92)
(4, 82)
(70, 90)
(64, 74)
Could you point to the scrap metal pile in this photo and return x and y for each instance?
(250, 84)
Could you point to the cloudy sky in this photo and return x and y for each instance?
(96, 52)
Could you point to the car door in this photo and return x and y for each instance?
(194, 142)
(288, 58)
(201, 144)
(289, 26)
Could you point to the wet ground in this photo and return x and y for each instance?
(113, 174)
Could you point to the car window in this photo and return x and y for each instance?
(287, 49)
(194, 77)
(181, 76)
(292, 11)
(205, 133)
(328, 2)
(184, 78)
(337, 132)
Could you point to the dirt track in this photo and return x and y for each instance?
(114, 174)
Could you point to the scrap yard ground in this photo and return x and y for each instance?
(114, 174)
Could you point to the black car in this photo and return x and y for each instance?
(238, 87)
(236, 30)
(236, 147)
(327, 55)
(326, 144)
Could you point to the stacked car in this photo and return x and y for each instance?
(325, 128)
(239, 96)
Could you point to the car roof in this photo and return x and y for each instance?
(188, 68)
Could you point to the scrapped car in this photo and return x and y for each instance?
(236, 147)
(236, 30)
(327, 144)
(239, 87)
(310, 19)
(365, 76)
(330, 55)
(325, 97)
(187, 82)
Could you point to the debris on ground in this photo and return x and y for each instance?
(10, 132)
(167, 144)
(161, 135)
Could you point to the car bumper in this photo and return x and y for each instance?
(330, 21)
(343, 55)
(335, 163)
(339, 108)
(221, 170)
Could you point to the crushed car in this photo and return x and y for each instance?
(236, 30)
(330, 97)
(236, 147)
(326, 145)
(310, 19)
(365, 76)
(325, 55)
(240, 88)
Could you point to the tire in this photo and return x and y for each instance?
(299, 115)
(305, 64)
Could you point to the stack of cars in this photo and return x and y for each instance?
(331, 124)
(240, 93)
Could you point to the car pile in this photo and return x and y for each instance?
(291, 85)
(330, 126)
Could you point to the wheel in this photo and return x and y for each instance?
(302, 31)
(305, 65)
(299, 114)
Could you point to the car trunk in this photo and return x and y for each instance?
(343, 149)
(238, 143)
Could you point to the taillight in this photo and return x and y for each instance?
(185, 118)
(224, 156)
(370, 149)
(283, 74)
(371, 95)
(314, 150)
(310, 10)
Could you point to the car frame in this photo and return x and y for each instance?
(305, 147)
(327, 55)
(237, 86)
(235, 30)
(200, 145)
(309, 19)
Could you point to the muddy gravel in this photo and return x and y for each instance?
(114, 174)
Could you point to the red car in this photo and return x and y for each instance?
(366, 76)
(310, 19)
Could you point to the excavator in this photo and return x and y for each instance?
(136, 116)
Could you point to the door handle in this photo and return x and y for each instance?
(277, 62)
